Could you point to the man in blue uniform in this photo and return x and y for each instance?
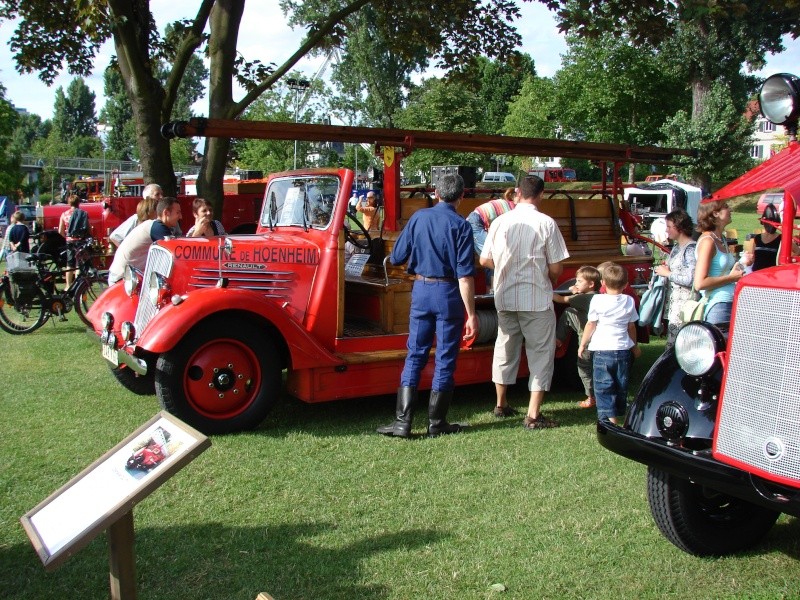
(437, 244)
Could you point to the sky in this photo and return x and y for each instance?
(264, 35)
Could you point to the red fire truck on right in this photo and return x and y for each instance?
(717, 420)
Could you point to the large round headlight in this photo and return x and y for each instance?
(779, 98)
(696, 348)
(127, 331)
(131, 280)
(154, 286)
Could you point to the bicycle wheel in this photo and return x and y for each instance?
(87, 290)
(24, 316)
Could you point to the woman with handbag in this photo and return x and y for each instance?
(678, 268)
(717, 270)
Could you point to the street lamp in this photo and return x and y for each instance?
(103, 128)
(298, 85)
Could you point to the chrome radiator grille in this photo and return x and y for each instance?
(159, 261)
(759, 422)
(271, 284)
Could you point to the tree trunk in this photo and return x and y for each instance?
(701, 87)
(146, 95)
(225, 19)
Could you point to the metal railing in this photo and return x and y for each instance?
(91, 165)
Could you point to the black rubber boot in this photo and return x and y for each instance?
(437, 415)
(406, 399)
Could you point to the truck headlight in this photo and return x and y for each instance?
(779, 98)
(697, 346)
(157, 288)
(131, 280)
(127, 331)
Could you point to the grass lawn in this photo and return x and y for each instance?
(315, 505)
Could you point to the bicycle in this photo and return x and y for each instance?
(28, 294)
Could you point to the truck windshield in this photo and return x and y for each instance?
(300, 201)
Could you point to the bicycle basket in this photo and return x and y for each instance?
(23, 276)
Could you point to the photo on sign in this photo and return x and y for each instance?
(150, 451)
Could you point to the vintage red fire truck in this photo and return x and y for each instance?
(240, 208)
(211, 323)
(717, 419)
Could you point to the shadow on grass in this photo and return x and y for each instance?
(472, 404)
(217, 561)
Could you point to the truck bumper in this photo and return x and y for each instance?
(699, 467)
(117, 356)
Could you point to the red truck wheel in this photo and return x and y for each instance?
(223, 377)
(701, 521)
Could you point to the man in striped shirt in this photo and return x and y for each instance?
(481, 218)
(525, 248)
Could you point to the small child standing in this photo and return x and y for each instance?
(610, 334)
(574, 317)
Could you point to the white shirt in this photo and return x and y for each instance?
(522, 243)
(132, 251)
(124, 229)
(613, 313)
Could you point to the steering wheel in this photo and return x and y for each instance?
(363, 244)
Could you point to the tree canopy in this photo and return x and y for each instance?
(45, 39)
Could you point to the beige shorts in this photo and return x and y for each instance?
(537, 330)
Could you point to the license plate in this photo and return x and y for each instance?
(110, 355)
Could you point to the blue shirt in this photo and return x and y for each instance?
(159, 231)
(436, 242)
(18, 233)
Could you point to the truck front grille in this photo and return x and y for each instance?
(759, 421)
(271, 284)
(159, 261)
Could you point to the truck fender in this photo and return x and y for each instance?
(172, 323)
(667, 382)
(116, 301)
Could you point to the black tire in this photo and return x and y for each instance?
(89, 290)
(701, 521)
(141, 385)
(223, 377)
(19, 318)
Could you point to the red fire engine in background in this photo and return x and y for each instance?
(211, 323)
(240, 208)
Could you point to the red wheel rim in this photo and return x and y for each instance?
(222, 378)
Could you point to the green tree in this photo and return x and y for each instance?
(532, 114)
(372, 77)
(441, 105)
(721, 134)
(610, 91)
(52, 33)
(498, 82)
(708, 41)
(74, 112)
(10, 175)
(29, 128)
(117, 113)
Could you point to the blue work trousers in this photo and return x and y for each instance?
(436, 309)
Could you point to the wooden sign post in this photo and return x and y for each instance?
(103, 495)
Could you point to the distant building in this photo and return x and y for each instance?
(768, 139)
